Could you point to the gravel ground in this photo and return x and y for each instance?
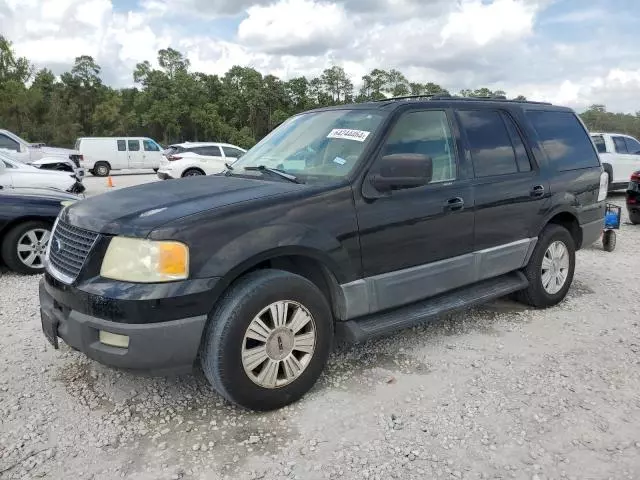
(498, 392)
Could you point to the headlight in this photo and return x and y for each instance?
(145, 261)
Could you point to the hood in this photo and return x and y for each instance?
(58, 152)
(51, 159)
(41, 193)
(136, 211)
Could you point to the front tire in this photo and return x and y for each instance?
(24, 247)
(268, 340)
(550, 269)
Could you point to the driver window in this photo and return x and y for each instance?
(427, 133)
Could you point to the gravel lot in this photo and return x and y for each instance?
(499, 392)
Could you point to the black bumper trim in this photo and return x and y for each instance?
(157, 347)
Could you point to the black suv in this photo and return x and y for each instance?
(352, 221)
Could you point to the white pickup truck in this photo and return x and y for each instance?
(40, 156)
(620, 156)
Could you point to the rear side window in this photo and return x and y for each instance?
(620, 144)
(122, 146)
(491, 148)
(633, 146)
(232, 152)
(564, 140)
(598, 141)
(150, 146)
(134, 145)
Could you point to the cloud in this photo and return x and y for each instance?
(520, 46)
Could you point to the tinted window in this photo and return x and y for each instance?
(122, 146)
(600, 144)
(426, 133)
(564, 140)
(134, 145)
(8, 143)
(150, 146)
(491, 148)
(232, 152)
(620, 144)
(633, 146)
(213, 151)
(522, 157)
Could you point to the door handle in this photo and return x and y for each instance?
(454, 204)
(537, 191)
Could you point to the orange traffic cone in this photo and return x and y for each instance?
(109, 182)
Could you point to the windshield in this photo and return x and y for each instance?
(320, 146)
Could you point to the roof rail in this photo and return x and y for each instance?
(444, 96)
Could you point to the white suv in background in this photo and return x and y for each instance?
(620, 157)
(191, 159)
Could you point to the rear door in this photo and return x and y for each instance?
(211, 158)
(508, 187)
(136, 154)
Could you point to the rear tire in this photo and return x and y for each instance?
(23, 248)
(192, 172)
(634, 217)
(236, 360)
(101, 169)
(544, 290)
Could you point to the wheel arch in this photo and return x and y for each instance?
(567, 219)
(314, 265)
(27, 218)
(192, 168)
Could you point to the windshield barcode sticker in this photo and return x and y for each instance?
(348, 134)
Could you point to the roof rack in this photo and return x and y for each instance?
(444, 96)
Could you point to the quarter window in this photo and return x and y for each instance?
(620, 144)
(134, 145)
(564, 140)
(427, 133)
(491, 149)
(122, 146)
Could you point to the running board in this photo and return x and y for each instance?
(385, 323)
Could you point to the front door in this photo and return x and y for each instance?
(151, 154)
(417, 242)
(509, 193)
(136, 154)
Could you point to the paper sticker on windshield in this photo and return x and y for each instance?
(348, 134)
(339, 160)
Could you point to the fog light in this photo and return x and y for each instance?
(114, 340)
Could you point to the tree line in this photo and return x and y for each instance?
(173, 104)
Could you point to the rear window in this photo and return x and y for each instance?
(122, 146)
(564, 140)
(598, 141)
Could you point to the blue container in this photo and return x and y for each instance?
(611, 220)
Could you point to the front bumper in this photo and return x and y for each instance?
(170, 346)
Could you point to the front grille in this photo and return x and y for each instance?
(68, 249)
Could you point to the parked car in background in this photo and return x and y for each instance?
(26, 218)
(101, 155)
(15, 174)
(41, 156)
(354, 220)
(193, 159)
(632, 197)
(620, 156)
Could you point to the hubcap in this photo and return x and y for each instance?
(278, 344)
(555, 267)
(32, 246)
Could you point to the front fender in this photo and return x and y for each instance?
(248, 250)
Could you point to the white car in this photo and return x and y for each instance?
(14, 174)
(191, 159)
(620, 157)
(41, 156)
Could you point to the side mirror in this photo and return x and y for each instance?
(401, 171)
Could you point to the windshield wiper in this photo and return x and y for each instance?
(274, 171)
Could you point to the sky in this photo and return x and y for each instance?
(570, 52)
